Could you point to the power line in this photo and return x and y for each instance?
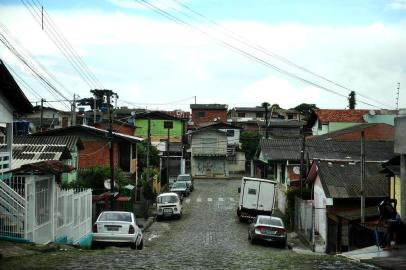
(53, 90)
(71, 49)
(264, 50)
(52, 34)
(241, 51)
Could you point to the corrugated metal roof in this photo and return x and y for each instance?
(33, 139)
(289, 149)
(29, 153)
(342, 180)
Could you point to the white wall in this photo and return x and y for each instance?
(320, 202)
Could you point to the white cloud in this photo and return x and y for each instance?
(397, 5)
(147, 59)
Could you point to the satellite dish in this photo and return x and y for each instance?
(296, 170)
(132, 113)
(107, 184)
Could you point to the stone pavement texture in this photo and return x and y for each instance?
(386, 259)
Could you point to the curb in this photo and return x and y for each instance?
(148, 223)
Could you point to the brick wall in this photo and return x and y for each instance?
(209, 116)
(378, 132)
(96, 153)
(119, 128)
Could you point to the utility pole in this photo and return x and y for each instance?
(266, 105)
(94, 110)
(42, 114)
(397, 98)
(302, 151)
(148, 144)
(362, 177)
(168, 125)
(42, 17)
(108, 94)
(73, 121)
(195, 99)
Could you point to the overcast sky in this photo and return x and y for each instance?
(153, 62)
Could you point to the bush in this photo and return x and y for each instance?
(94, 178)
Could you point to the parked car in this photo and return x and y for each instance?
(117, 228)
(267, 229)
(181, 189)
(168, 205)
(188, 179)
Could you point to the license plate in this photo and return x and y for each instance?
(112, 228)
(270, 232)
(167, 210)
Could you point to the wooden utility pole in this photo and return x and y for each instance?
(148, 144)
(108, 94)
(42, 114)
(302, 156)
(73, 121)
(362, 191)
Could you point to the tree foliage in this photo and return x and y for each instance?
(306, 109)
(142, 156)
(94, 178)
(351, 100)
(249, 143)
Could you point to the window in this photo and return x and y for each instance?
(230, 132)
(201, 114)
(241, 114)
(290, 116)
(260, 114)
(252, 191)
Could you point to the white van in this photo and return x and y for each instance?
(168, 205)
(257, 197)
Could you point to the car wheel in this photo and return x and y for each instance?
(249, 236)
(141, 245)
(94, 245)
(179, 215)
(252, 240)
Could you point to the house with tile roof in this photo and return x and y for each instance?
(328, 120)
(96, 147)
(372, 131)
(336, 202)
(279, 159)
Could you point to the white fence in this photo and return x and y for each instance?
(33, 208)
(73, 214)
(304, 218)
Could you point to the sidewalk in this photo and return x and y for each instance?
(386, 259)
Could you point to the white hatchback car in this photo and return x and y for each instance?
(117, 228)
(168, 205)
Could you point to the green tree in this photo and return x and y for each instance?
(94, 178)
(142, 156)
(306, 109)
(249, 143)
(351, 100)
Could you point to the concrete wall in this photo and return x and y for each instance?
(320, 202)
(209, 167)
(386, 119)
(400, 148)
(209, 142)
(237, 164)
(233, 140)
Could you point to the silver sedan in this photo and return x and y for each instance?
(117, 228)
(267, 229)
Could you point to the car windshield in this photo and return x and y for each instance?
(179, 185)
(168, 199)
(112, 216)
(270, 221)
(184, 178)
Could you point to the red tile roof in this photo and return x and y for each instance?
(332, 115)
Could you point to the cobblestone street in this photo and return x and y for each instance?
(209, 236)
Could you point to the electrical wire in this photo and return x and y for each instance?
(241, 51)
(264, 50)
(25, 60)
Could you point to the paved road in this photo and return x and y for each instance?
(209, 236)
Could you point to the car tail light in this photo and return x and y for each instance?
(281, 231)
(94, 228)
(131, 229)
(260, 228)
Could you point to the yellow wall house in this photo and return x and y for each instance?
(392, 169)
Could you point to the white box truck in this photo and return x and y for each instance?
(257, 197)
